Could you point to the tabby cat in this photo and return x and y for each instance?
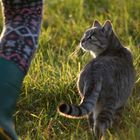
(106, 82)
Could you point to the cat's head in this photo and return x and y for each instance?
(96, 38)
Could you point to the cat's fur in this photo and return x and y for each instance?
(106, 82)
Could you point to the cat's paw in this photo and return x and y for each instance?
(99, 130)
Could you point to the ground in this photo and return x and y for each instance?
(54, 70)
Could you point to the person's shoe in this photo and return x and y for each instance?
(11, 78)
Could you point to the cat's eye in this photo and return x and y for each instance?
(93, 37)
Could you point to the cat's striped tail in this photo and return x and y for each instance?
(78, 111)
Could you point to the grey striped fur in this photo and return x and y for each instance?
(106, 82)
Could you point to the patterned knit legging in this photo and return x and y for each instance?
(19, 38)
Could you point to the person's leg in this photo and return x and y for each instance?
(18, 42)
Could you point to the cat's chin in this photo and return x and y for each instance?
(94, 54)
(83, 48)
(91, 52)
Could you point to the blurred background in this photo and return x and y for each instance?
(54, 71)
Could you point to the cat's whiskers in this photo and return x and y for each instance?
(75, 52)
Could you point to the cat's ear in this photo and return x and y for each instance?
(107, 27)
(96, 23)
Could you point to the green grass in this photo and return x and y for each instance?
(53, 73)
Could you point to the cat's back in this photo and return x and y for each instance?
(114, 60)
(110, 60)
(114, 67)
(118, 66)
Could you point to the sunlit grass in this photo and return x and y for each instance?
(53, 74)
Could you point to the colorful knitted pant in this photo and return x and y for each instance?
(19, 39)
